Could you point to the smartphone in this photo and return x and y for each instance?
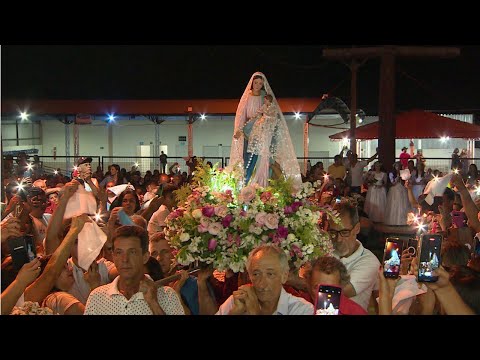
(412, 246)
(392, 257)
(476, 246)
(459, 219)
(429, 257)
(124, 219)
(22, 249)
(328, 300)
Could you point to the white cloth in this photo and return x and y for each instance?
(117, 190)
(436, 187)
(90, 242)
(405, 174)
(108, 300)
(362, 266)
(91, 238)
(288, 304)
(82, 202)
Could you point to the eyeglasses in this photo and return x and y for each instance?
(343, 233)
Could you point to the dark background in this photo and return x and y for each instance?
(188, 71)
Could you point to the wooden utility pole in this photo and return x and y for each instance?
(386, 106)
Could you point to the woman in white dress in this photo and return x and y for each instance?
(376, 200)
(397, 199)
(418, 180)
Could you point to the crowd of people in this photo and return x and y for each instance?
(95, 244)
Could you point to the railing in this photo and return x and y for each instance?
(144, 163)
(65, 163)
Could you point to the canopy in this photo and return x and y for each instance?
(418, 124)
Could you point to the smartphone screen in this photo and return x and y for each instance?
(476, 246)
(392, 257)
(124, 219)
(459, 219)
(412, 246)
(429, 257)
(328, 300)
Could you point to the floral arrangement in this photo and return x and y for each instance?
(218, 222)
(31, 308)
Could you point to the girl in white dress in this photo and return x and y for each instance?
(397, 199)
(376, 200)
(418, 180)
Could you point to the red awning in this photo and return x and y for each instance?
(418, 124)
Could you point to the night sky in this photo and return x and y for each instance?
(219, 71)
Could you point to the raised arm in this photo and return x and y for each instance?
(27, 274)
(469, 206)
(55, 228)
(44, 284)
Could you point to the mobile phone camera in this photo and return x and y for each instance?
(412, 250)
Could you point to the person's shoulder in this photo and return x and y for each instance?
(166, 291)
(101, 290)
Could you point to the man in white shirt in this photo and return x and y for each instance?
(355, 170)
(268, 269)
(362, 265)
(157, 221)
(132, 293)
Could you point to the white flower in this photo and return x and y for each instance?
(197, 213)
(184, 237)
(291, 237)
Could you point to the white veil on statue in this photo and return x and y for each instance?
(283, 152)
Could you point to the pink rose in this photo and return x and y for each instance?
(260, 218)
(202, 228)
(247, 194)
(221, 210)
(215, 228)
(271, 221)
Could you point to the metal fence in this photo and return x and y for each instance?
(65, 163)
(145, 163)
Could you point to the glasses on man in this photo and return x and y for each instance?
(343, 233)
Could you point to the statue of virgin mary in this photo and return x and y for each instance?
(276, 145)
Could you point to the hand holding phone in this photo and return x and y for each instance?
(327, 300)
(123, 218)
(476, 246)
(392, 257)
(429, 257)
(459, 219)
(412, 246)
(22, 249)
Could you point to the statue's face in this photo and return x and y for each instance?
(257, 85)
